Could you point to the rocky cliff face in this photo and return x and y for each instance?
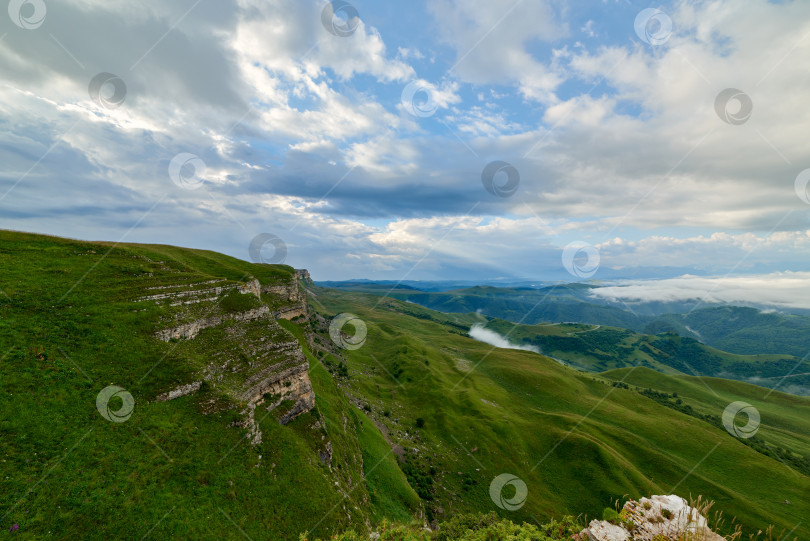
(232, 327)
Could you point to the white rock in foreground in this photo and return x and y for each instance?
(669, 517)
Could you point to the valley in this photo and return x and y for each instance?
(250, 417)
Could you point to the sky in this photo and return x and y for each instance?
(450, 139)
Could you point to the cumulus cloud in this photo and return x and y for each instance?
(488, 336)
(491, 40)
(304, 134)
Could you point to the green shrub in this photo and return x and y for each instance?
(487, 527)
(610, 514)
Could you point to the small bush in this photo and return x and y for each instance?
(610, 514)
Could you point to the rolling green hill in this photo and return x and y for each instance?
(414, 425)
(597, 348)
(574, 438)
(783, 429)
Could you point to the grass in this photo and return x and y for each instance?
(575, 440)
(71, 324)
(391, 496)
(389, 493)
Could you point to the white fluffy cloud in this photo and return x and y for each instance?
(743, 252)
(490, 39)
(304, 134)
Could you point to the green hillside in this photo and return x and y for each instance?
(597, 348)
(785, 425)
(70, 326)
(574, 438)
(412, 426)
(739, 329)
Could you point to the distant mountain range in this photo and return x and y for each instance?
(744, 330)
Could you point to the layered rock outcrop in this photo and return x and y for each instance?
(188, 331)
(248, 354)
(658, 518)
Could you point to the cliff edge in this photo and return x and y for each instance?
(230, 329)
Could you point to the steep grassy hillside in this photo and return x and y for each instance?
(71, 324)
(575, 439)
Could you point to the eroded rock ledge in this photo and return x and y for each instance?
(254, 359)
(658, 518)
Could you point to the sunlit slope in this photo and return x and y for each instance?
(576, 440)
(785, 418)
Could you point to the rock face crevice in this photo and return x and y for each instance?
(249, 355)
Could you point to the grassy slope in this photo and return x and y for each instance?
(68, 328)
(600, 348)
(785, 417)
(574, 440)
(390, 494)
